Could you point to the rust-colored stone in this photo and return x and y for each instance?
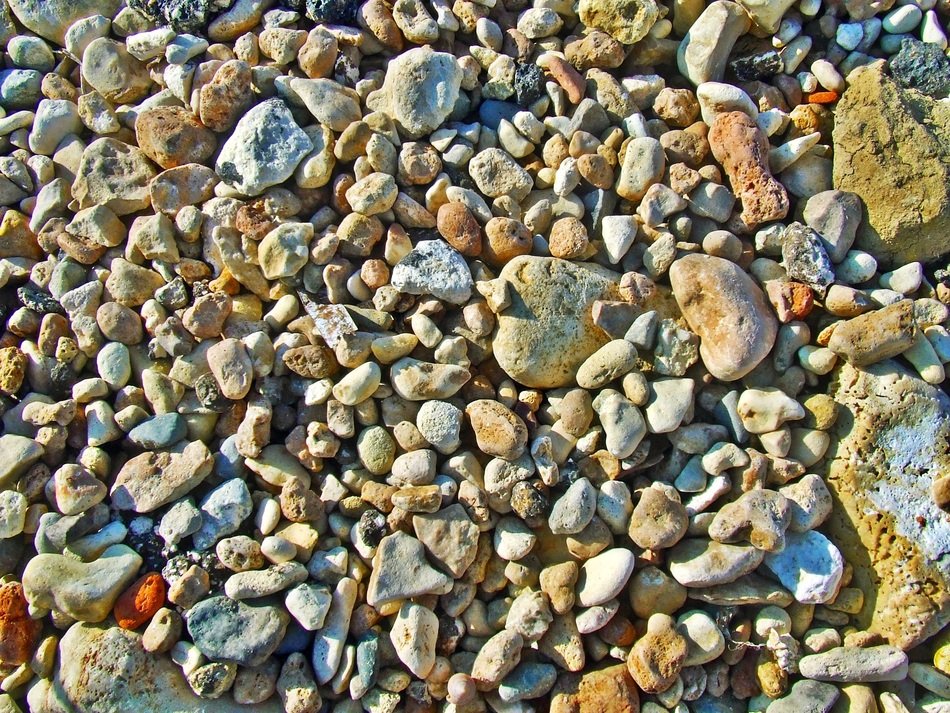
(609, 690)
(18, 632)
(138, 604)
(743, 150)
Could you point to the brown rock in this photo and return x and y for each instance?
(12, 370)
(594, 50)
(892, 148)
(138, 604)
(16, 238)
(226, 97)
(875, 336)
(460, 229)
(657, 658)
(568, 238)
(205, 318)
(608, 690)
(499, 431)
(152, 479)
(18, 632)
(729, 312)
(653, 591)
(659, 520)
(318, 54)
(312, 361)
(506, 239)
(743, 150)
(172, 136)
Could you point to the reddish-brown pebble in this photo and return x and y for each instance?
(138, 604)
(18, 631)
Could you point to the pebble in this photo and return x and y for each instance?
(222, 512)
(227, 630)
(414, 636)
(810, 567)
(806, 695)
(449, 536)
(263, 150)
(701, 57)
(735, 325)
(435, 268)
(701, 563)
(85, 591)
(400, 571)
(656, 659)
(704, 641)
(604, 576)
(847, 664)
(496, 659)
(572, 512)
(659, 519)
(153, 479)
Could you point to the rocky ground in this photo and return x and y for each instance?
(583, 357)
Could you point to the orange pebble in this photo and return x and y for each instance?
(138, 604)
(823, 97)
(18, 631)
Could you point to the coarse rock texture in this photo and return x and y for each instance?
(547, 331)
(102, 669)
(893, 436)
(892, 148)
(420, 90)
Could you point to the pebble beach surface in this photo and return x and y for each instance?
(478, 355)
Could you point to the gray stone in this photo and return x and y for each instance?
(150, 480)
(806, 697)
(263, 150)
(449, 536)
(810, 567)
(222, 512)
(227, 630)
(51, 18)
(804, 257)
(835, 215)
(159, 431)
(400, 571)
(17, 454)
(433, 267)
(852, 664)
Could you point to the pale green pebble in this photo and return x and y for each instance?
(376, 449)
(817, 360)
(31, 53)
(13, 507)
(939, 339)
(857, 267)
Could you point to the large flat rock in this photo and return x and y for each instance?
(892, 148)
(893, 434)
(104, 669)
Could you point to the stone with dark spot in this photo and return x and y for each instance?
(922, 66)
(529, 83)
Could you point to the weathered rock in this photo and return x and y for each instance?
(729, 312)
(263, 150)
(875, 336)
(608, 690)
(449, 536)
(893, 433)
(153, 479)
(892, 148)
(420, 90)
(434, 268)
(18, 632)
(742, 148)
(228, 630)
(102, 669)
(86, 591)
(113, 174)
(627, 21)
(852, 664)
(547, 331)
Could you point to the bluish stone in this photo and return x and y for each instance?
(492, 111)
(224, 629)
(227, 461)
(20, 88)
(159, 432)
(296, 639)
